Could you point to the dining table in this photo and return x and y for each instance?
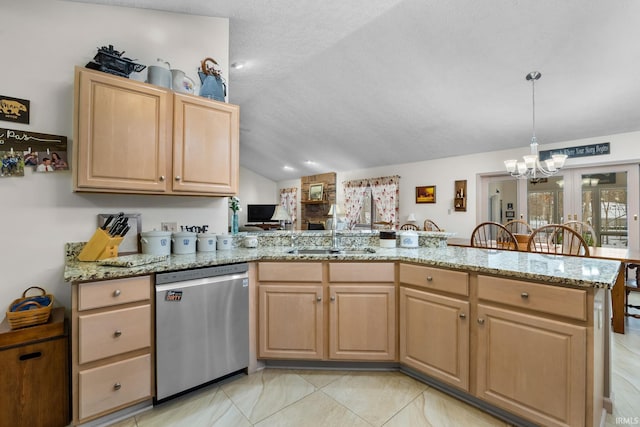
(624, 255)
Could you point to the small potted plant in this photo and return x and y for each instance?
(234, 205)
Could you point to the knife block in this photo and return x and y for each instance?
(100, 246)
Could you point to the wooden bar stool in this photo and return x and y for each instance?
(631, 285)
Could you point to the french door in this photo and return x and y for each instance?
(605, 197)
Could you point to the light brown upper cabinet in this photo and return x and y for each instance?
(133, 137)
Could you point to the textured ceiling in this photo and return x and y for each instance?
(362, 83)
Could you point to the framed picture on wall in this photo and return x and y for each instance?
(315, 192)
(426, 194)
(510, 214)
(509, 205)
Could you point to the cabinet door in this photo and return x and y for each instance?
(290, 322)
(434, 335)
(123, 131)
(531, 366)
(362, 322)
(205, 146)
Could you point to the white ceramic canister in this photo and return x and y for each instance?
(156, 242)
(409, 239)
(184, 242)
(251, 241)
(225, 242)
(159, 76)
(206, 242)
(387, 239)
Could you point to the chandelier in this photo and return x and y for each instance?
(531, 167)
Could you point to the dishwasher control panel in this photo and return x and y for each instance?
(200, 273)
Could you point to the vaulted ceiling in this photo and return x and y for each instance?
(361, 83)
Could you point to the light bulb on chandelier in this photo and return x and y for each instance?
(531, 166)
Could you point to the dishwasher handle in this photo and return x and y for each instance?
(204, 282)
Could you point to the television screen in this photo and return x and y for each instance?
(260, 213)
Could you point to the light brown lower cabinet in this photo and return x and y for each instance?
(362, 322)
(528, 348)
(532, 366)
(434, 335)
(112, 342)
(320, 311)
(291, 321)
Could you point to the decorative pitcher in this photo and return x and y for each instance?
(180, 82)
(212, 84)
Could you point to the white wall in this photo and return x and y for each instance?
(255, 189)
(42, 42)
(625, 148)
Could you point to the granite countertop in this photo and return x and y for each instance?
(551, 269)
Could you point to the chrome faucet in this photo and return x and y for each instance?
(334, 227)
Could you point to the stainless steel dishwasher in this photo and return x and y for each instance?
(202, 326)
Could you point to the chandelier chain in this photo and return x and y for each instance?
(532, 166)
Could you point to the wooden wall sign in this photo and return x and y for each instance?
(47, 153)
(20, 140)
(14, 109)
(601, 149)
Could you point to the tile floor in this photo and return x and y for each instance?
(279, 397)
(625, 376)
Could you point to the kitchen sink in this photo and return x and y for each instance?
(321, 251)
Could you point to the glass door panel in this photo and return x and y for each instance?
(605, 202)
(605, 207)
(545, 201)
(605, 197)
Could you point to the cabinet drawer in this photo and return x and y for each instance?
(114, 332)
(544, 298)
(361, 272)
(113, 292)
(455, 282)
(290, 272)
(114, 385)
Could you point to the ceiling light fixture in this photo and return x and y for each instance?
(531, 166)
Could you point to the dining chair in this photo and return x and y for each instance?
(430, 226)
(382, 225)
(493, 235)
(585, 230)
(557, 239)
(409, 227)
(518, 226)
(631, 285)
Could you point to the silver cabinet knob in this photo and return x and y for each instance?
(117, 386)
(319, 299)
(481, 321)
(524, 295)
(178, 178)
(462, 315)
(429, 279)
(162, 178)
(117, 333)
(116, 293)
(333, 298)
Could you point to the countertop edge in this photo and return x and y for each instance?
(577, 272)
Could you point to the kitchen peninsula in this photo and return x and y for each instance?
(522, 335)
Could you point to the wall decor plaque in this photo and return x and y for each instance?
(14, 109)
